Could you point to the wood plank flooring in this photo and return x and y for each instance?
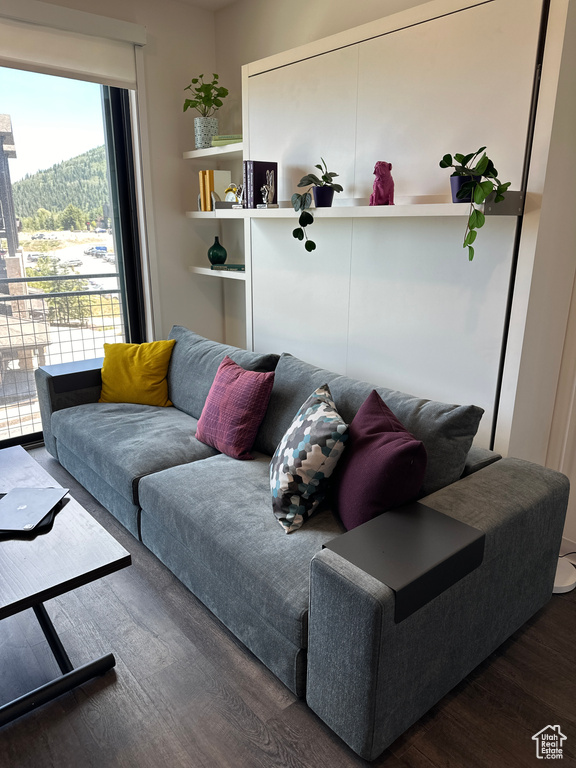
(186, 694)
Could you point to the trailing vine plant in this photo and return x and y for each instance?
(302, 202)
(477, 188)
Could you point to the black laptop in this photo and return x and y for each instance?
(23, 509)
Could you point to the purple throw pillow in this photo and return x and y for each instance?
(234, 409)
(383, 466)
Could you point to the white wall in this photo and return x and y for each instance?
(180, 45)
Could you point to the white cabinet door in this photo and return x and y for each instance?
(452, 84)
(300, 113)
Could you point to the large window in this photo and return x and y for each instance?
(69, 256)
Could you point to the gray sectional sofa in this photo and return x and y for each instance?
(323, 626)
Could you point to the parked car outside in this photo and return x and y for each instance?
(39, 236)
(74, 262)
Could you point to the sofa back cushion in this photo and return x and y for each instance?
(194, 364)
(447, 431)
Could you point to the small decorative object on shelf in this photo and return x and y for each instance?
(240, 196)
(255, 177)
(268, 191)
(383, 190)
(217, 253)
(473, 190)
(221, 140)
(206, 99)
(233, 193)
(228, 267)
(323, 189)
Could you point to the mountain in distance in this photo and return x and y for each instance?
(80, 181)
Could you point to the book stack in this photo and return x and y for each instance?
(228, 267)
(226, 138)
(212, 181)
(254, 178)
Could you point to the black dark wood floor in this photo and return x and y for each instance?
(186, 694)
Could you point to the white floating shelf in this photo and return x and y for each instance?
(221, 213)
(230, 151)
(228, 274)
(512, 206)
(338, 212)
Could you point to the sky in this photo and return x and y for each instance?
(53, 118)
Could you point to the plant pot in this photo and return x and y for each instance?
(456, 183)
(323, 196)
(204, 129)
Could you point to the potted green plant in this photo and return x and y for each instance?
(206, 99)
(323, 189)
(472, 181)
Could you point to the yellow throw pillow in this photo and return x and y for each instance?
(136, 373)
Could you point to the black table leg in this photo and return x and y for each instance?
(66, 682)
(53, 640)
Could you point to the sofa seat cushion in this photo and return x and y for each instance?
(122, 442)
(219, 509)
(446, 430)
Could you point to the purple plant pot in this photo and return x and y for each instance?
(456, 183)
(323, 196)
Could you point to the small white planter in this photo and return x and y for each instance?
(204, 129)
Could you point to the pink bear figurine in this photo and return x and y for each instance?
(383, 193)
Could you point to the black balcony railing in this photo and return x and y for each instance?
(46, 320)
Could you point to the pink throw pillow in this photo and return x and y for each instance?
(234, 409)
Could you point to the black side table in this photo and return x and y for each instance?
(415, 550)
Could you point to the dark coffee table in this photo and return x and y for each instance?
(75, 551)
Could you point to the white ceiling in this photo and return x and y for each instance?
(211, 5)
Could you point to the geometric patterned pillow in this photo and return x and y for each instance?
(305, 458)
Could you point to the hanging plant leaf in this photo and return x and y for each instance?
(296, 201)
(465, 190)
(310, 245)
(298, 233)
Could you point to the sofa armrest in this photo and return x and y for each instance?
(478, 458)
(63, 386)
(370, 678)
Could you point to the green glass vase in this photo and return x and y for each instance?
(217, 253)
